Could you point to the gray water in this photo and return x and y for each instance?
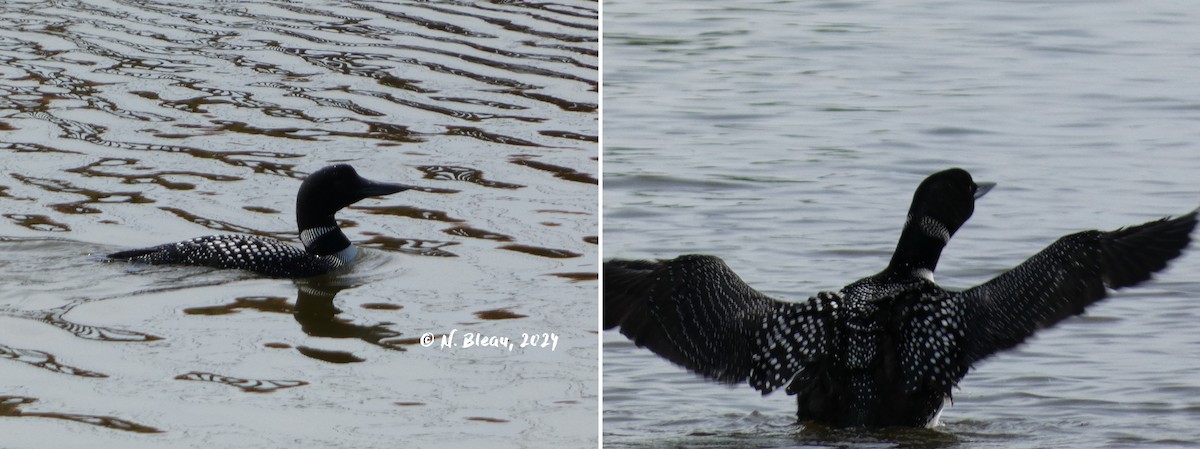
(787, 138)
(133, 123)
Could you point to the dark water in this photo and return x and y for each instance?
(787, 137)
(130, 123)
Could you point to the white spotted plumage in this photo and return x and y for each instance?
(258, 254)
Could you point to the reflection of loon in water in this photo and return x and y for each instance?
(326, 248)
(318, 317)
(887, 349)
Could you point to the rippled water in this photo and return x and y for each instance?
(131, 123)
(787, 137)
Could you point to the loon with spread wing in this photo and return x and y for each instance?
(885, 350)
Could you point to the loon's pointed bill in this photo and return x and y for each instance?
(375, 188)
(326, 247)
(982, 188)
(365, 188)
(887, 349)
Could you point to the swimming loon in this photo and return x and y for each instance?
(886, 349)
(326, 248)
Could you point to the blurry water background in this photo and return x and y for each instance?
(133, 123)
(787, 137)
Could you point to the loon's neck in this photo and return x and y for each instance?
(324, 237)
(920, 247)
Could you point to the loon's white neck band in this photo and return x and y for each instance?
(933, 228)
(310, 235)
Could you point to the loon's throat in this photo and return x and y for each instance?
(325, 240)
(920, 245)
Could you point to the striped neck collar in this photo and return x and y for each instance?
(324, 240)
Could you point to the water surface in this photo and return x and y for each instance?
(132, 123)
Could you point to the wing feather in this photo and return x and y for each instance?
(696, 312)
(1064, 279)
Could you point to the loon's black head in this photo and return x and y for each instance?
(325, 192)
(948, 197)
(942, 204)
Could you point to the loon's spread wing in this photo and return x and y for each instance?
(261, 255)
(694, 311)
(1063, 279)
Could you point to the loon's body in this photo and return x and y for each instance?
(326, 248)
(885, 350)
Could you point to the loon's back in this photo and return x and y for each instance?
(878, 346)
(261, 255)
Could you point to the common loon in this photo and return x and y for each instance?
(887, 349)
(326, 248)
